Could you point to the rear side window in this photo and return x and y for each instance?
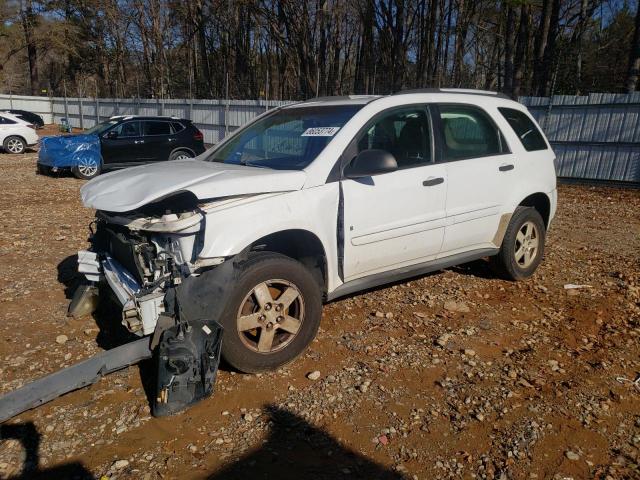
(6, 121)
(157, 128)
(525, 129)
(177, 127)
(468, 132)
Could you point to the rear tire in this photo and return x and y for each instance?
(523, 245)
(272, 314)
(180, 155)
(14, 144)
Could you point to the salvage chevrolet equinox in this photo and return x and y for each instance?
(314, 201)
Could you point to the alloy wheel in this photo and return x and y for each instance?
(527, 245)
(270, 316)
(88, 167)
(15, 145)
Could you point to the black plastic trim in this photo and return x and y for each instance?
(403, 273)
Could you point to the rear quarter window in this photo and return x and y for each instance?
(529, 135)
(177, 127)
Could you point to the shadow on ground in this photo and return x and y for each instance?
(27, 434)
(295, 449)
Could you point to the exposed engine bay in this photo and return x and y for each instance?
(142, 254)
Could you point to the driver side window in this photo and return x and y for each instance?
(405, 133)
(128, 129)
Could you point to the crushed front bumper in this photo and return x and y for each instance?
(140, 308)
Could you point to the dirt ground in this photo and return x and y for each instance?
(453, 375)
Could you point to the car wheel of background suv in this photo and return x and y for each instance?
(180, 155)
(272, 314)
(14, 144)
(523, 245)
(87, 168)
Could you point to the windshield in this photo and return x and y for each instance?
(287, 139)
(101, 127)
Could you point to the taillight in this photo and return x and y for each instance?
(198, 135)
(31, 126)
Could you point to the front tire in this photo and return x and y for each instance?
(87, 168)
(523, 245)
(272, 315)
(14, 144)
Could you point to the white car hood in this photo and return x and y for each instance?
(132, 188)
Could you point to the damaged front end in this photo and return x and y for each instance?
(140, 256)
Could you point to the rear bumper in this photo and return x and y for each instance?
(140, 308)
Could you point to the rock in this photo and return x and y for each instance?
(120, 464)
(571, 455)
(453, 306)
(62, 339)
(379, 314)
(444, 339)
(469, 352)
(315, 375)
(383, 440)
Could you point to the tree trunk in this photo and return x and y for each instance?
(28, 22)
(634, 57)
(509, 49)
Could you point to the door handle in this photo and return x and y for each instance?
(138, 141)
(506, 167)
(172, 139)
(431, 181)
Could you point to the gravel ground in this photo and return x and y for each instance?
(453, 375)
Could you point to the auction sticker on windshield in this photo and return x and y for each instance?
(320, 132)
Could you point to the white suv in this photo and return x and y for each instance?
(16, 134)
(318, 200)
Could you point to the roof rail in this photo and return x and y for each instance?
(465, 91)
(329, 98)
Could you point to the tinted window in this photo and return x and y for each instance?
(290, 138)
(525, 129)
(177, 127)
(128, 129)
(468, 132)
(157, 128)
(101, 127)
(6, 121)
(405, 133)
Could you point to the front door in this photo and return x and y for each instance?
(395, 219)
(123, 144)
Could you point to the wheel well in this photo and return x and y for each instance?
(301, 245)
(17, 136)
(182, 149)
(541, 203)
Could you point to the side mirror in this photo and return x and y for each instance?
(111, 134)
(371, 162)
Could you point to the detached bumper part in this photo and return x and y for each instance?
(187, 365)
(71, 378)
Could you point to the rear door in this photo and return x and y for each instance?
(480, 171)
(159, 140)
(126, 147)
(394, 219)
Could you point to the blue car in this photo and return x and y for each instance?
(120, 142)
